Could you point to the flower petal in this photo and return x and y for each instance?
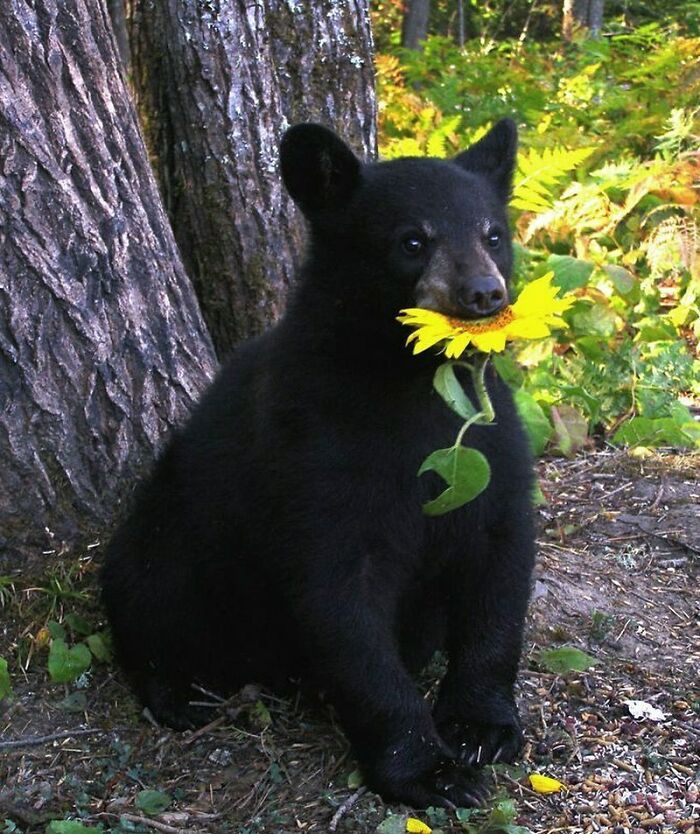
(414, 826)
(491, 341)
(545, 784)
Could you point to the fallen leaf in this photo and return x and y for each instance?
(641, 709)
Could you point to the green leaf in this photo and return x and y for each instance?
(56, 630)
(660, 431)
(99, 645)
(77, 625)
(509, 370)
(537, 496)
(569, 273)
(261, 715)
(5, 685)
(597, 319)
(70, 827)
(466, 472)
(655, 329)
(565, 659)
(152, 802)
(450, 389)
(355, 780)
(393, 824)
(66, 664)
(622, 279)
(540, 172)
(537, 426)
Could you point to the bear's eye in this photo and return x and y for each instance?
(493, 238)
(412, 244)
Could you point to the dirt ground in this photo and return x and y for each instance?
(619, 551)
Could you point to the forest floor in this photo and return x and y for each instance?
(617, 576)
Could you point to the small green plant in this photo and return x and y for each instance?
(565, 659)
(7, 590)
(5, 683)
(70, 658)
(71, 827)
(601, 623)
(500, 819)
(152, 802)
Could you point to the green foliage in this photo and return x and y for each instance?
(5, 685)
(606, 195)
(500, 819)
(540, 172)
(66, 663)
(71, 827)
(152, 802)
(565, 659)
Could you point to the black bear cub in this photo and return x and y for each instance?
(281, 535)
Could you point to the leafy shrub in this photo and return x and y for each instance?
(606, 195)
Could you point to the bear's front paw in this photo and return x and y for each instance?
(448, 785)
(421, 771)
(478, 743)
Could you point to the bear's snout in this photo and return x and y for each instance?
(482, 296)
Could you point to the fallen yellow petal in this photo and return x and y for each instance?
(545, 784)
(414, 826)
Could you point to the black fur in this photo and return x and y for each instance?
(281, 534)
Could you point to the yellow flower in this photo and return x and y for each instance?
(545, 784)
(534, 314)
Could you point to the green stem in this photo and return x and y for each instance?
(479, 378)
(487, 413)
(475, 418)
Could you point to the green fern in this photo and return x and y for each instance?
(539, 172)
(440, 139)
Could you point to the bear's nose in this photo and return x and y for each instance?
(482, 296)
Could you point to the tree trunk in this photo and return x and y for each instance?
(102, 346)
(415, 23)
(587, 14)
(217, 83)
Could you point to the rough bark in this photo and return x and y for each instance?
(102, 346)
(587, 14)
(217, 83)
(415, 23)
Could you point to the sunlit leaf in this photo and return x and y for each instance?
(661, 431)
(569, 273)
(565, 659)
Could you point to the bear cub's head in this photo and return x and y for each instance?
(412, 232)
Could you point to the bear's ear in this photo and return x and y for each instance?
(319, 170)
(493, 156)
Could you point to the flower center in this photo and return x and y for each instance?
(496, 322)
